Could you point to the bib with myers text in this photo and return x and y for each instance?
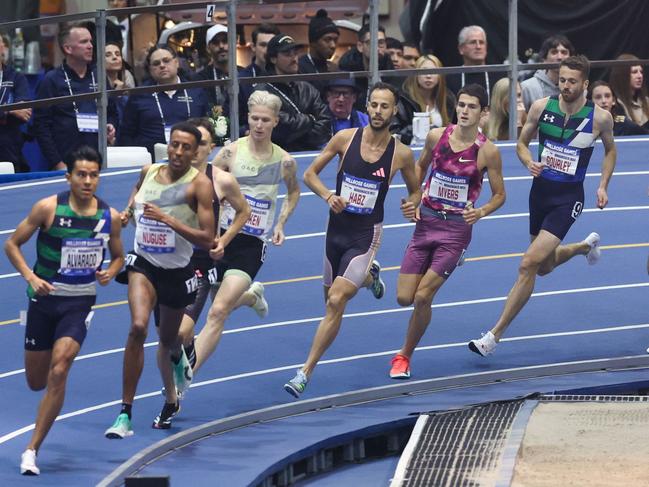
(449, 189)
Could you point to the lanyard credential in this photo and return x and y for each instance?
(67, 82)
(162, 117)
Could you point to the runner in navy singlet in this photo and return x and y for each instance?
(568, 127)
(369, 157)
(458, 156)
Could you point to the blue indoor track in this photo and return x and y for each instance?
(577, 313)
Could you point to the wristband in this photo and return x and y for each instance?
(329, 197)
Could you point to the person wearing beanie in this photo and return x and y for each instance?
(323, 39)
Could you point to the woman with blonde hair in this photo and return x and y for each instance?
(429, 92)
(627, 83)
(498, 122)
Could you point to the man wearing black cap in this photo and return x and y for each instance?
(304, 123)
(323, 39)
(341, 96)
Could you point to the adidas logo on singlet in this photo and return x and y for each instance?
(380, 173)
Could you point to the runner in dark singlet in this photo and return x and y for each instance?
(568, 127)
(458, 156)
(370, 157)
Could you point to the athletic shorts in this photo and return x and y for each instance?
(349, 252)
(52, 317)
(554, 207)
(244, 255)
(436, 244)
(175, 288)
(202, 266)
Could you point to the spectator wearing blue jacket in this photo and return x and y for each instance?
(61, 129)
(148, 118)
(341, 97)
(13, 88)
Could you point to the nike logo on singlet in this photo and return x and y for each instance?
(465, 160)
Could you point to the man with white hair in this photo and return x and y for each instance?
(472, 46)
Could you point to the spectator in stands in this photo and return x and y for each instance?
(627, 83)
(304, 121)
(410, 55)
(148, 118)
(472, 45)
(545, 82)
(358, 59)
(394, 47)
(13, 88)
(118, 76)
(341, 96)
(498, 122)
(423, 94)
(323, 39)
(602, 95)
(61, 129)
(260, 37)
(216, 43)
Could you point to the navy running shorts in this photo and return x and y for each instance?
(554, 206)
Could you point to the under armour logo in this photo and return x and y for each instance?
(380, 173)
(548, 118)
(65, 222)
(30, 341)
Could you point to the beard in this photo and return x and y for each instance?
(384, 124)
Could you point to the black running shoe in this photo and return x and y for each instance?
(190, 350)
(163, 420)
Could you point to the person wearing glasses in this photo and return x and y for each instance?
(358, 59)
(148, 117)
(341, 96)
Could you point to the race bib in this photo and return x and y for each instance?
(257, 223)
(448, 189)
(560, 158)
(360, 193)
(81, 256)
(154, 236)
(88, 122)
(167, 133)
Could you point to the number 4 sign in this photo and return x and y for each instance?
(209, 12)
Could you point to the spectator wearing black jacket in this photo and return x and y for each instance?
(304, 121)
(148, 118)
(61, 129)
(323, 39)
(13, 88)
(358, 59)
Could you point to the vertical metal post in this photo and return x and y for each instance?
(102, 101)
(374, 42)
(233, 75)
(513, 63)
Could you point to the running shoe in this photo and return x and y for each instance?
(183, 374)
(28, 463)
(261, 305)
(377, 286)
(121, 428)
(163, 393)
(594, 253)
(163, 420)
(485, 345)
(190, 351)
(297, 384)
(400, 367)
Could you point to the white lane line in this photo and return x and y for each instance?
(9, 436)
(317, 319)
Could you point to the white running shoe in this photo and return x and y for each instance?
(28, 463)
(261, 305)
(485, 345)
(120, 429)
(594, 253)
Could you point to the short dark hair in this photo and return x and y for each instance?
(206, 124)
(64, 32)
(365, 29)
(83, 153)
(553, 42)
(264, 28)
(188, 128)
(155, 48)
(578, 63)
(476, 90)
(380, 85)
(392, 43)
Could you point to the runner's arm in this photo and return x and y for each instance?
(289, 174)
(528, 132)
(232, 194)
(426, 155)
(127, 213)
(225, 156)
(408, 172)
(41, 213)
(334, 147)
(116, 250)
(610, 155)
(489, 157)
